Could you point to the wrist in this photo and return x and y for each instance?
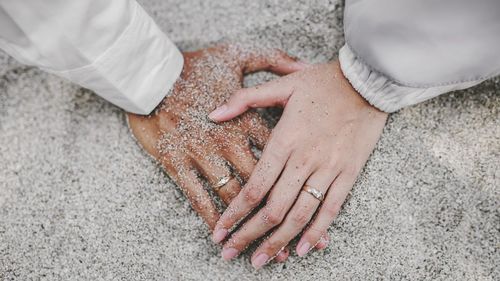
(355, 97)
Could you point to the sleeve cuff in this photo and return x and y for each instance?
(137, 71)
(383, 93)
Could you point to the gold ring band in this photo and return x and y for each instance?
(314, 192)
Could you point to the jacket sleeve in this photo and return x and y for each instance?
(402, 52)
(111, 47)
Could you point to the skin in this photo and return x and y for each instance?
(180, 137)
(323, 139)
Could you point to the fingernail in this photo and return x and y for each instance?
(217, 112)
(303, 249)
(229, 253)
(219, 235)
(260, 260)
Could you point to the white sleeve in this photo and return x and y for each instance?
(111, 47)
(400, 53)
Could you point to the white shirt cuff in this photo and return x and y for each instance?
(137, 71)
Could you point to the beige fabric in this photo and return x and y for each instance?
(402, 52)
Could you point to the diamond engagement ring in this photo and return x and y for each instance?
(314, 192)
(222, 181)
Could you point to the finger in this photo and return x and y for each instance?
(242, 159)
(257, 128)
(273, 60)
(229, 191)
(298, 217)
(264, 176)
(214, 168)
(323, 242)
(328, 212)
(282, 255)
(199, 198)
(280, 200)
(270, 94)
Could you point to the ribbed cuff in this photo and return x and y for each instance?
(384, 94)
(137, 71)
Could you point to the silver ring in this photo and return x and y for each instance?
(222, 181)
(314, 192)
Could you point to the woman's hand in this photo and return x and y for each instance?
(179, 135)
(323, 139)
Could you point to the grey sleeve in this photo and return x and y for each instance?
(402, 52)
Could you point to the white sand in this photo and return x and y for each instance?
(79, 199)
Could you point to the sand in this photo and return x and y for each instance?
(79, 200)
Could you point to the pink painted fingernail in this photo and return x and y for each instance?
(219, 235)
(260, 260)
(229, 253)
(217, 113)
(303, 249)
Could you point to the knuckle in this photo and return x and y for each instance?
(271, 218)
(299, 219)
(274, 219)
(309, 162)
(241, 239)
(252, 195)
(350, 171)
(275, 243)
(237, 242)
(332, 165)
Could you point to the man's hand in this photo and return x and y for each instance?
(180, 136)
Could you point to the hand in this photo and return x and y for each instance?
(323, 139)
(187, 144)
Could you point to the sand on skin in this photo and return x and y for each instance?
(79, 200)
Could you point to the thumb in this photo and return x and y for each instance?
(273, 60)
(270, 94)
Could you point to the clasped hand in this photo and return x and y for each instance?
(191, 148)
(323, 139)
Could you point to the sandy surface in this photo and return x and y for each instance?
(79, 199)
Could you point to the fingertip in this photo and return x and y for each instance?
(218, 113)
(229, 253)
(260, 260)
(226, 112)
(219, 235)
(321, 244)
(303, 248)
(282, 255)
